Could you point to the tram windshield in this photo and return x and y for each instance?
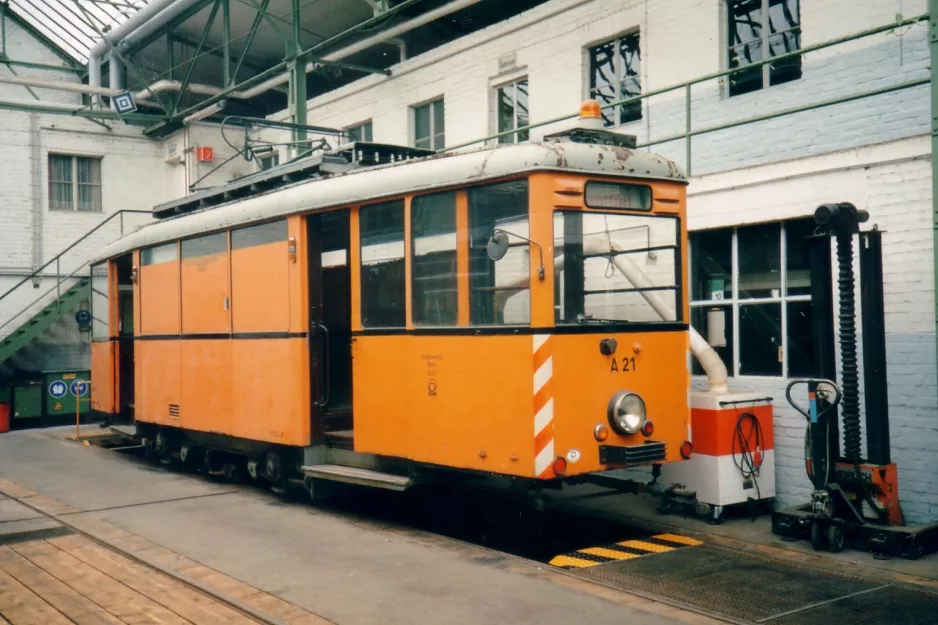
(616, 268)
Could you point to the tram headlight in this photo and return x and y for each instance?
(626, 412)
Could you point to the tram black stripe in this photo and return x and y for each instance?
(221, 336)
(513, 331)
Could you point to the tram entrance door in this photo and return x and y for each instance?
(330, 325)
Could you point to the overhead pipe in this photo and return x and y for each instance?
(154, 15)
(97, 51)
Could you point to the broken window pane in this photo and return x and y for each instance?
(615, 74)
(630, 68)
(758, 30)
(512, 111)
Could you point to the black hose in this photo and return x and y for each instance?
(746, 462)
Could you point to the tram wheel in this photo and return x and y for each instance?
(272, 466)
(835, 538)
(817, 537)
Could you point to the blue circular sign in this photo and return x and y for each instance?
(79, 388)
(58, 389)
(83, 317)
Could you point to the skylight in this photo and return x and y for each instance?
(74, 25)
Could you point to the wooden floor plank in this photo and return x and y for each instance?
(21, 606)
(109, 593)
(66, 600)
(171, 594)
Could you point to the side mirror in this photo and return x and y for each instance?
(497, 246)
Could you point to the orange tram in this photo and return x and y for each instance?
(380, 316)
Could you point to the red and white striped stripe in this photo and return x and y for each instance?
(543, 406)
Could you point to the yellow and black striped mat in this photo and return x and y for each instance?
(625, 550)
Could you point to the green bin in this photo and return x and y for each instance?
(59, 391)
(27, 401)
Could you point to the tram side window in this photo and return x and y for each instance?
(383, 289)
(433, 271)
(499, 291)
(100, 314)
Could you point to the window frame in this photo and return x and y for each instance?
(366, 125)
(411, 251)
(735, 302)
(496, 94)
(430, 105)
(405, 320)
(74, 183)
(617, 60)
(765, 35)
(272, 158)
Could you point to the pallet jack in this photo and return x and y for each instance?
(855, 501)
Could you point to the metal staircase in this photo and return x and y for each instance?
(22, 324)
(44, 319)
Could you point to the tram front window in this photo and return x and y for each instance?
(616, 268)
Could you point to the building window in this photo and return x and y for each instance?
(759, 30)
(433, 266)
(361, 132)
(751, 297)
(512, 110)
(615, 74)
(429, 130)
(269, 162)
(382, 265)
(74, 183)
(499, 291)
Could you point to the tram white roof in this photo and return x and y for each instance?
(386, 181)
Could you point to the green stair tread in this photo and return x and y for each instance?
(32, 328)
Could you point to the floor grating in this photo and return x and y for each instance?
(38, 534)
(755, 589)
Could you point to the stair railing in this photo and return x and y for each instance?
(60, 277)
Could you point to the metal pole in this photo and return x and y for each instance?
(58, 283)
(195, 58)
(298, 78)
(933, 45)
(687, 132)
(226, 45)
(170, 54)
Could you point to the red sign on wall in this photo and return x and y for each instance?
(204, 154)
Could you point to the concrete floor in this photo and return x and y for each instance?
(346, 570)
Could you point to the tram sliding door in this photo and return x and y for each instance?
(330, 324)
